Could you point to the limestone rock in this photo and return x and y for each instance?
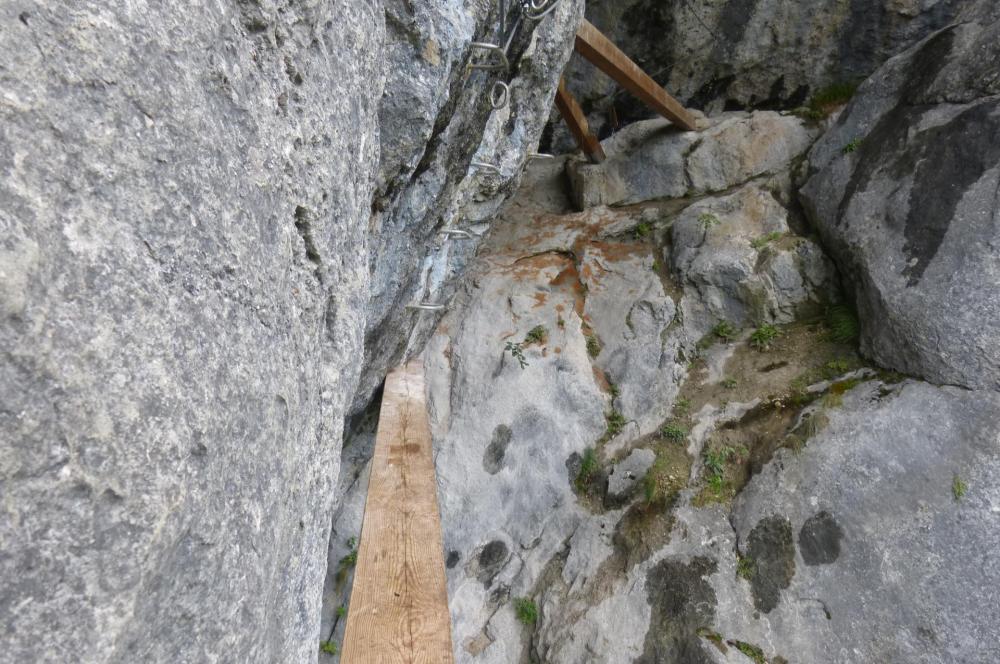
(738, 253)
(651, 159)
(903, 192)
(740, 54)
(626, 475)
(213, 218)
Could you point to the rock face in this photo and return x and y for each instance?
(652, 159)
(904, 192)
(737, 54)
(213, 216)
(794, 504)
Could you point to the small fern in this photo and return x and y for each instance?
(842, 323)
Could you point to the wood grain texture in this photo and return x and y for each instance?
(598, 49)
(399, 602)
(577, 123)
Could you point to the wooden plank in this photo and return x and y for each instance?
(577, 122)
(399, 603)
(593, 45)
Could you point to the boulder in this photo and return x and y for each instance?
(626, 475)
(903, 190)
(653, 159)
(743, 263)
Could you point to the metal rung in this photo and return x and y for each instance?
(427, 306)
(493, 48)
(536, 10)
(487, 167)
(456, 232)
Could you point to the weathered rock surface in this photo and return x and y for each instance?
(652, 159)
(740, 54)
(786, 500)
(212, 220)
(904, 191)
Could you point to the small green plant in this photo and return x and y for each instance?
(682, 406)
(724, 330)
(825, 100)
(588, 467)
(642, 230)
(765, 240)
(714, 637)
(593, 346)
(329, 647)
(729, 383)
(537, 334)
(526, 611)
(763, 337)
(854, 144)
(835, 368)
(613, 390)
(341, 611)
(616, 422)
(674, 432)
(517, 352)
(707, 220)
(560, 322)
(745, 567)
(958, 487)
(842, 323)
(750, 650)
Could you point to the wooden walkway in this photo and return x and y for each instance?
(399, 602)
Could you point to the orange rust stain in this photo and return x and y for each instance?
(539, 300)
(557, 350)
(602, 380)
(560, 308)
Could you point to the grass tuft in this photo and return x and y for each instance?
(765, 240)
(842, 324)
(588, 468)
(329, 647)
(537, 334)
(958, 487)
(763, 337)
(526, 611)
(593, 346)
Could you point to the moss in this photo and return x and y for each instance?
(765, 240)
(750, 650)
(958, 487)
(707, 220)
(593, 346)
(537, 334)
(745, 567)
(588, 468)
(329, 647)
(616, 422)
(642, 230)
(526, 611)
(714, 637)
(673, 431)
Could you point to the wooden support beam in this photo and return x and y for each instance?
(399, 602)
(577, 122)
(593, 45)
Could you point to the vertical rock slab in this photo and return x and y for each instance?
(904, 189)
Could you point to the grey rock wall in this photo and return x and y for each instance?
(211, 218)
(904, 191)
(739, 54)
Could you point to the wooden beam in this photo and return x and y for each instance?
(399, 602)
(577, 122)
(593, 45)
